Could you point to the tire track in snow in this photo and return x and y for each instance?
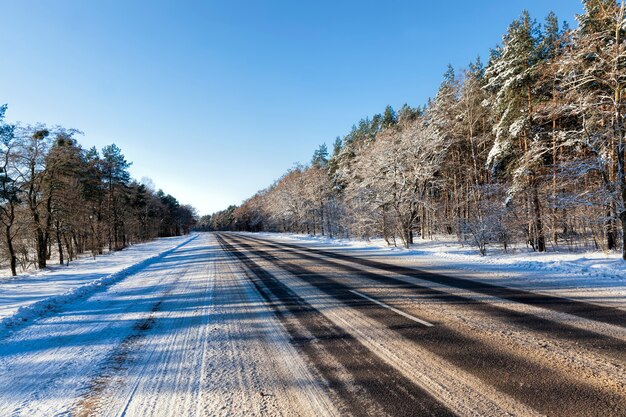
(44, 366)
(158, 370)
(548, 391)
(364, 384)
(601, 313)
(608, 345)
(208, 352)
(118, 360)
(271, 376)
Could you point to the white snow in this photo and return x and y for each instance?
(178, 329)
(593, 276)
(25, 297)
(181, 333)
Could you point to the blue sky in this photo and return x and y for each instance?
(214, 100)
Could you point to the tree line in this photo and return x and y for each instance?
(528, 148)
(58, 199)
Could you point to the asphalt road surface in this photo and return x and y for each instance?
(566, 367)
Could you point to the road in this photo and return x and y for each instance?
(489, 350)
(237, 324)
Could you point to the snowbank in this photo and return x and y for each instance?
(19, 310)
(594, 276)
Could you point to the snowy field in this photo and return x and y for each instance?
(591, 276)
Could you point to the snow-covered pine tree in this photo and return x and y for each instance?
(511, 76)
(443, 121)
(595, 74)
(550, 118)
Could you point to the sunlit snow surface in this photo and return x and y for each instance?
(26, 296)
(593, 276)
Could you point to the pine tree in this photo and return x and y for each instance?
(389, 118)
(511, 76)
(66, 166)
(549, 116)
(115, 171)
(320, 156)
(595, 71)
(408, 114)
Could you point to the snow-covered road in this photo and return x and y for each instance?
(490, 350)
(239, 325)
(183, 336)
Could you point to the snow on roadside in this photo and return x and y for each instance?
(24, 298)
(595, 276)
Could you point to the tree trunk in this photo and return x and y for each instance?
(11, 249)
(609, 230)
(322, 231)
(404, 230)
(385, 231)
(59, 243)
(539, 236)
(69, 248)
(407, 237)
(622, 217)
(555, 235)
(42, 249)
(423, 223)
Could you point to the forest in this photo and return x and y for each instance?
(58, 200)
(527, 149)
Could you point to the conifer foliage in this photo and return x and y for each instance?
(58, 200)
(528, 149)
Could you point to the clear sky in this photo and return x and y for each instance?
(214, 100)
